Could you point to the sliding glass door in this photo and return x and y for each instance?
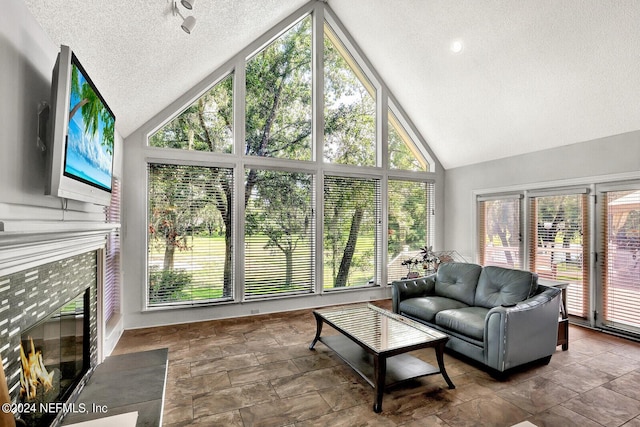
(619, 294)
(559, 244)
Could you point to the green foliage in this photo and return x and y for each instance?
(401, 155)
(184, 200)
(278, 101)
(206, 125)
(349, 114)
(407, 215)
(167, 285)
(349, 211)
(187, 201)
(280, 208)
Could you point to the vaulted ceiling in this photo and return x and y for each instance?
(531, 75)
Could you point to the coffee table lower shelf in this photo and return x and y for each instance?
(401, 367)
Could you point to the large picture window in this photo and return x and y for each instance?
(190, 239)
(351, 231)
(409, 223)
(270, 184)
(279, 226)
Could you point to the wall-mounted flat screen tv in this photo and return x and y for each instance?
(80, 153)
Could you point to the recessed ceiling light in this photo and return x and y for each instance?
(456, 46)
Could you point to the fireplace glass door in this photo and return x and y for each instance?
(54, 355)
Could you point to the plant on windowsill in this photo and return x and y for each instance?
(412, 267)
(428, 259)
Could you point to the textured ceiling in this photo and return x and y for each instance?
(532, 75)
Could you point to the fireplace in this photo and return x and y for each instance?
(49, 322)
(54, 355)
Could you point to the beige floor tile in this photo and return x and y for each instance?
(259, 371)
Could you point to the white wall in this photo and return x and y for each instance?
(601, 160)
(27, 57)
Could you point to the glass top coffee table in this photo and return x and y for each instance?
(373, 341)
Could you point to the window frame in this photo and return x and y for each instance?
(321, 14)
(521, 222)
(599, 299)
(587, 240)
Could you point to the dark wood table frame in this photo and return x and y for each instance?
(381, 369)
(563, 320)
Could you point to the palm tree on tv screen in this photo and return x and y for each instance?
(92, 109)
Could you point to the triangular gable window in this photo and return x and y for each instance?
(349, 107)
(206, 125)
(404, 153)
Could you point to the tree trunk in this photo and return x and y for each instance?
(76, 108)
(228, 253)
(169, 253)
(350, 248)
(289, 271)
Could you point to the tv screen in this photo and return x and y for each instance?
(89, 148)
(80, 152)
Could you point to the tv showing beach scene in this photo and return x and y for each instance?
(89, 147)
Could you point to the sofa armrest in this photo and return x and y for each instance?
(411, 288)
(522, 333)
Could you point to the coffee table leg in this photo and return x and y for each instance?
(318, 331)
(380, 370)
(439, 355)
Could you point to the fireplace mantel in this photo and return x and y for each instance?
(26, 244)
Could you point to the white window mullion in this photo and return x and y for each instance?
(383, 156)
(318, 138)
(239, 96)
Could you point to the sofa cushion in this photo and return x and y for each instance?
(426, 308)
(468, 321)
(458, 280)
(497, 286)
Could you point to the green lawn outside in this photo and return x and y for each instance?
(264, 267)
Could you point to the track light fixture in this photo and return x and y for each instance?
(189, 22)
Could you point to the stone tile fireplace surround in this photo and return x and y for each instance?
(40, 272)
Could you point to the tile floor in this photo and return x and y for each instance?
(258, 371)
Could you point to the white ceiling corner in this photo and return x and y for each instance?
(532, 75)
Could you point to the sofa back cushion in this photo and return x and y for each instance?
(458, 280)
(497, 286)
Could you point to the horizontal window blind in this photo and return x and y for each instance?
(410, 221)
(499, 233)
(112, 283)
(559, 245)
(279, 233)
(621, 263)
(351, 232)
(190, 241)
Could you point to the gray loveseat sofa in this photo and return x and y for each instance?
(497, 316)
